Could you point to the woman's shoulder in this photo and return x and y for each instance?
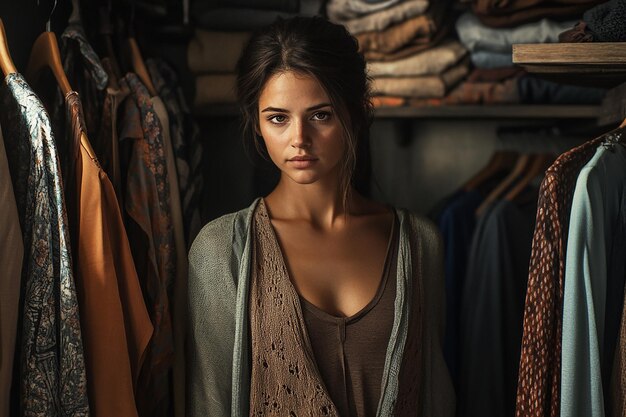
(422, 230)
(220, 233)
(417, 222)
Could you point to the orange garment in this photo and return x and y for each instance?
(417, 30)
(388, 101)
(115, 324)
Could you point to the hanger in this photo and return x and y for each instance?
(139, 66)
(75, 16)
(6, 63)
(105, 30)
(45, 53)
(521, 165)
(537, 167)
(499, 161)
(136, 60)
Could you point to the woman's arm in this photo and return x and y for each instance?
(211, 332)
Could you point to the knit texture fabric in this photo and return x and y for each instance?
(606, 21)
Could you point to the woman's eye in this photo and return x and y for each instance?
(278, 119)
(321, 116)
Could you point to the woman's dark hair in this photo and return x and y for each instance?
(315, 47)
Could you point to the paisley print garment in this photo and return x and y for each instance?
(52, 367)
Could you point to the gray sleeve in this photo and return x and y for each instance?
(211, 325)
(438, 398)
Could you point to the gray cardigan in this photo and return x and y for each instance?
(218, 355)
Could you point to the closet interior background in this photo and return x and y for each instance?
(422, 150)
(417, 158)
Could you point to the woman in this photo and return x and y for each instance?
(314, 300)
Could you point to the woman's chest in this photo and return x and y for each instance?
(339, 273)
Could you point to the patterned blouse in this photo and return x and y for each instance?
(52, 367)
(151, 235)
(185, 141)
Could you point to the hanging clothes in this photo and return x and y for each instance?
(11, 257)
(86, 75)
(151, 234)
(52, 367)
(594, 281)
(187, 149)
(538, 388)
(176, 292)
(186, 142)
(106, 142)
(616, 404)
(492, 308)
(457, 223)
(115, 322)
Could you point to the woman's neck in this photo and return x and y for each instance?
(320, 204)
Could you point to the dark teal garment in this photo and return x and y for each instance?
(533, 90)
(457, 223)
(492, 308)
(594, 282)
(52, 368)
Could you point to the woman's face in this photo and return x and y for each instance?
(301, 130)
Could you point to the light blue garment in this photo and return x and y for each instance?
(218, 371)
(478, 37)
(486, 59)
(597, 207)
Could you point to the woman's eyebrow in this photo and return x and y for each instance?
(277, 109)
(318, 106)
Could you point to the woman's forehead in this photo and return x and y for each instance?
(292, 90)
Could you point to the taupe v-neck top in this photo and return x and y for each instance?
(304, 360)
(350, 351)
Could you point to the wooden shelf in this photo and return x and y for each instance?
(514, 111)
(595, 63)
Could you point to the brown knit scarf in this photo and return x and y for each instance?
(285, 380)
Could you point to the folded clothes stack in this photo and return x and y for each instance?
(511, 13)
(212, 58)
(405, 45)
(427, 74)
(247, 15)
(491, 48)
(223, 29)
(482, 86)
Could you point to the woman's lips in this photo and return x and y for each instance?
(301, 162)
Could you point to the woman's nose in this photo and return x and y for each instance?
(299, 135)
